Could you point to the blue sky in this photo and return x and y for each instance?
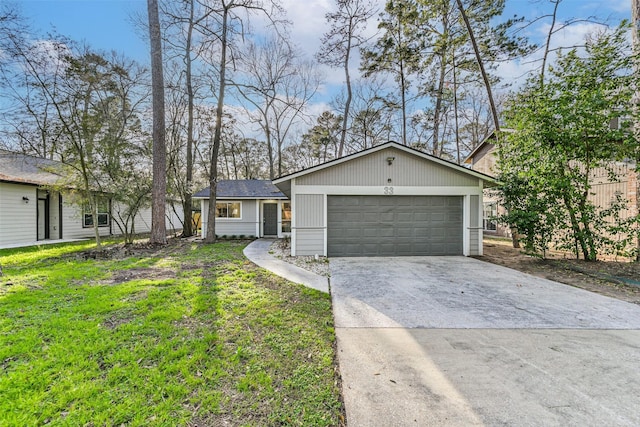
(108, 25)
(104, 24)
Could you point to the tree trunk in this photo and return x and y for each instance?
(487, 84)
(347, 102)
(437, 111)
(158, 227)
(404, 104)
(485, 77)
(635, 16)
(455, 106)
(213, 171)
(548, 42)
(187, 230)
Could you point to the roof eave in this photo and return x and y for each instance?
(390, 144)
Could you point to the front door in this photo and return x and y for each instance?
(270, 219)
(43, 219)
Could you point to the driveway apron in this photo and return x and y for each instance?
(457, 341)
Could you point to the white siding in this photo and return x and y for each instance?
(475, 226)
(309, 242)
(174, 217)
(142, 221)
(17, 217)
(54, 215)
(72, 219)
(233, 227)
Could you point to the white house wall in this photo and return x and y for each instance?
(19, 220)
(17, 217)
(72, 219)
(174, 216)
(248, 225)
(475, 226)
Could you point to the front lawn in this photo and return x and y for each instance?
(189, 334)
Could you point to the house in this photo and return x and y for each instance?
(483, 159)
(603, 190)
(249, 207)
(32, 211)
(388, 200)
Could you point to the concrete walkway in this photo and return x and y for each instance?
(40, 243)
(258, 253)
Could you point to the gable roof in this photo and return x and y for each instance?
(485, 142)
(391, 144)
(243, 189)
(25, 169)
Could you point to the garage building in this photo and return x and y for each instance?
(389, 200)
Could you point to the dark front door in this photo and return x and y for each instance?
(43, 219)
(270, 219)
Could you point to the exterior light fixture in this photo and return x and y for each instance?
(390, 160)
(25, 199)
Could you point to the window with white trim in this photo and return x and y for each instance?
(232, 210)
(489, 214)
(103, 213)
(286, 217)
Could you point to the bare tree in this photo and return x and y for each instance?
(232, 16)
(339, 43)
(483, 72)
(185, 23)
(158, 225)
(278, 83)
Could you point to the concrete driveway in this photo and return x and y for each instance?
(456, 341)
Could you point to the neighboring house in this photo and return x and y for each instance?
(251, 207)
(388, 200)
(483, 159)
(31, 210)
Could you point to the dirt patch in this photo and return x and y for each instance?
(613, 279)
(147, 273)
(140, 249)
(118, 318)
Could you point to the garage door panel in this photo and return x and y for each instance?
(385, 216)
(405, 217)
(394, 225)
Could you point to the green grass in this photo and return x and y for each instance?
(184, 335)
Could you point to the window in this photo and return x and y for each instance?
(286, 217)
(103, 214)
(489, 214)
(229, 210)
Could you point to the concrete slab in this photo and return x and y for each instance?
(430, 377)
(452, 341)
(460, 292)
(258, 253)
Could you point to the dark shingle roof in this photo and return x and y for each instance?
(16, 167)
(244, 189)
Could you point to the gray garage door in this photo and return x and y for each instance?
(394, 225)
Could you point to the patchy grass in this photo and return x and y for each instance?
(188, 335)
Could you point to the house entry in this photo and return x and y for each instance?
(270, 219)
(43, 219)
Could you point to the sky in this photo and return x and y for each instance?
(109, 25)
